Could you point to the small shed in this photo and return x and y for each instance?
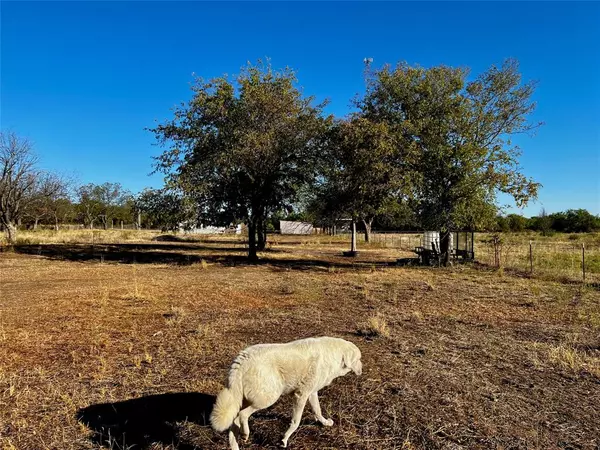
(292, 227)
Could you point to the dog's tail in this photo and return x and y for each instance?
(229, 401)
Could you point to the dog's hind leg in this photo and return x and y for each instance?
(316, 407)
(244, 416)
(234, 433)
(299, 404)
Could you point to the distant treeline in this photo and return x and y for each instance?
(108, 205)
(570, 221)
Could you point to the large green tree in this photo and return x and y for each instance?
(456, 135)
(362, 172)
(105, 202)
(243, 148)
(165, 209)
(113, 200)
(89, 203)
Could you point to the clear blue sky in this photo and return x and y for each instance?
(83, 79)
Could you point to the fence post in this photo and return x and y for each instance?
(583, 260)
(530, 257)
(496, 256)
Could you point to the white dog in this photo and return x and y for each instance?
(260, 374)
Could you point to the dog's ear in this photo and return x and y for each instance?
(345, 361)
(351, 361)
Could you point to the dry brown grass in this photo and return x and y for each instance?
(375, 326)
(473, 360)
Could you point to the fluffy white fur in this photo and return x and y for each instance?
(262, 373)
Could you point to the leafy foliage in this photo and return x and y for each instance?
(164, 209)
(103, 202)
(363, 172)
(456, 135)
(570, 221)
(243, 148)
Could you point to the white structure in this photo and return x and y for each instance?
(209, 229)
(202, 230)
(432, 238)
(290, 227)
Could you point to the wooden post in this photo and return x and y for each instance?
(530, 257)
(353, 246)
(583, 260)
(496, 241)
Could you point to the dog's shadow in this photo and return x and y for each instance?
(138, 423)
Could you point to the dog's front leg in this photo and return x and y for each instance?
(316, 407)
(299, 404)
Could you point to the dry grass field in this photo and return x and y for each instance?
(119, 341)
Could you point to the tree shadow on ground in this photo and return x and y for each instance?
(141, 422)
(199, 239)
(127, 253)
(233, 239)
(176, 254)
(158, 254)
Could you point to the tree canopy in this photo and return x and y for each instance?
(165, 209)
(456, 135)
(243, 147)
(363, 173)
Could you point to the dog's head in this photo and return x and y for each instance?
(351, 359)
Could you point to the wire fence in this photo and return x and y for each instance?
(562, 260)
(567, 261)
(405, 241)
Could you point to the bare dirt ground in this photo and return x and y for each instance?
(123, 345)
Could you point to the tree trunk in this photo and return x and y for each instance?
(11, 233)
(445, 247)
(367, 225)
(252, 257)
(56, 224)
(353, 241)
(139, 220)
(262, 235)
(35, 224)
